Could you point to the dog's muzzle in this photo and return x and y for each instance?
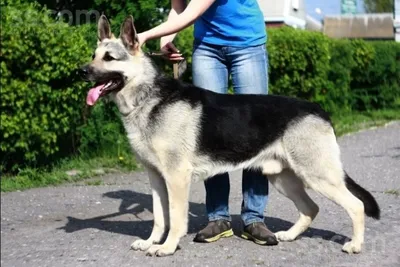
(84, 72)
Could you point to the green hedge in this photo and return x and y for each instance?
(376, 84)
(341, 75)
(41, 96)
(299, 63)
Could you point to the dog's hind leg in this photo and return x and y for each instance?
(292, 187)
(178, 187)
(313, 154)
(324, 174)
(333, 187)
(160, 211)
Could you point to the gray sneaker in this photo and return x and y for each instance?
(259, 234)
(214, 231)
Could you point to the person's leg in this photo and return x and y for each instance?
(210, 72)
(249, 71)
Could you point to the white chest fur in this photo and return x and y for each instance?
(141, 146)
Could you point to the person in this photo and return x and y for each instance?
(229, 39)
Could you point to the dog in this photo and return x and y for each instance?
(182, 133)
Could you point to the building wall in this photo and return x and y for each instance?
(300, 12)
(312, 24)
(271, 8)
(367, 26)
(279, 11)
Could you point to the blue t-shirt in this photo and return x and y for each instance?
(231, 23)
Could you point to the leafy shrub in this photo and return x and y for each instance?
(362, 53)
(364, 75)
(349, 59)
(103, 133)
(42, 97)
(299, 63)
(341, 75)
(341, 63)
(377, 84)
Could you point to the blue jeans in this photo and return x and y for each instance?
(248, 67)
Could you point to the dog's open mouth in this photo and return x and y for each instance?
(102, 89)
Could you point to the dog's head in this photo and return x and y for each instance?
(115, 62)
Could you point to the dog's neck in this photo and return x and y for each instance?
(132, 98)
(137, 92)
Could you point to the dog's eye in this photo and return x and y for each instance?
(108, 57)
(93, 56)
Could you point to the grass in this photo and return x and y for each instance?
(94, 183)
(84, 167)
(356, 121)
(393, 192)
(88, 167)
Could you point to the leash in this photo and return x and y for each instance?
(178, 67)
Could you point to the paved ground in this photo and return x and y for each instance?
(77, 225)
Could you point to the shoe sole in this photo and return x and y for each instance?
(252, 238)
(255, 240)
(227, 233)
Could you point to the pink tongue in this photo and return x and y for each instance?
(94, 94)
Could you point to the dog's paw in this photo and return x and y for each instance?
(284, 236)
(352, 247)
(160, 250)
(141, 245)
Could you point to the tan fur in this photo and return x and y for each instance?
(292, 187)
(160, 211)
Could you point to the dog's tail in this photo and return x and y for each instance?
(371, 207)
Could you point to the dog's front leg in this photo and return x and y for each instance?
(178, 186)
(160, 212)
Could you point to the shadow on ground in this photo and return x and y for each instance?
(197, 220)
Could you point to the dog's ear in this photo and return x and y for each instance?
(103, 29)
(128, 35)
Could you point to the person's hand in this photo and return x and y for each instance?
(170, 51)
(142, 38)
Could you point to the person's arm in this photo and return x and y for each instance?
(166, 45)
(178, 21)
(177, 7)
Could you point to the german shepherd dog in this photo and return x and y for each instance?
(180, 132)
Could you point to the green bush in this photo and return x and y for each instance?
(299, 63)
(364, 75)
(340, 66)
(348, 61)
(377, 84)
(103, 133)
(341, 75)
(42, 97)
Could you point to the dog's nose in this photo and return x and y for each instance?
(83, 72)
